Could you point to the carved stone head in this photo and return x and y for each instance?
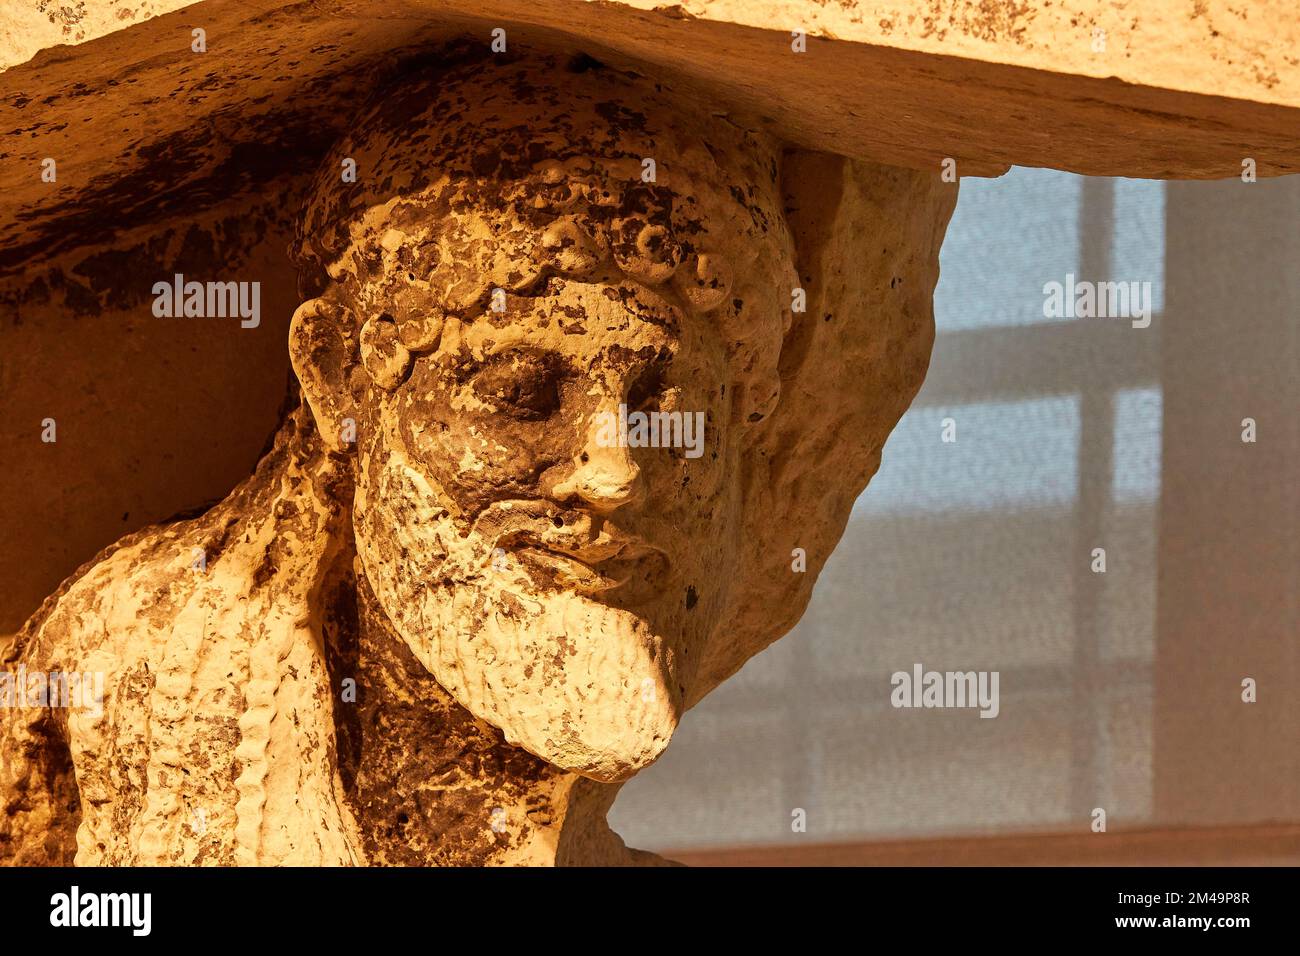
(555, 325)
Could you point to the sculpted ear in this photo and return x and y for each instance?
(323, 347)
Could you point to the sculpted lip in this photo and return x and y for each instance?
(570, 571)
(580, 550)
(636, 575)
(609, 562)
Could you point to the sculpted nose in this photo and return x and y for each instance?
(605, 475)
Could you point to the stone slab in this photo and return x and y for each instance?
(143, 128)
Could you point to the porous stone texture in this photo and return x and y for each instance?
(445, 618)
(1215, 47)
(143, 126)
(171, 161)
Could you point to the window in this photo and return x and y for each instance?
(969, 554)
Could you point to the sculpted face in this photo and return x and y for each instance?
(488, 332)
(556, 585)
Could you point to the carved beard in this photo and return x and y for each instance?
(587, 686)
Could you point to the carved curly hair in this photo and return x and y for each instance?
(507, 174)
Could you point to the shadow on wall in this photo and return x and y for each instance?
(149, 416)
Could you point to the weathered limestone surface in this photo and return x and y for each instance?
(526, 610)
(142, 125)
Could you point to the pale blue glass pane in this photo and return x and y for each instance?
(1007, 237)
(1137, 445)
(1137, 249)
(1008, 455)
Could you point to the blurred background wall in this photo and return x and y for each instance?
(1119, 690)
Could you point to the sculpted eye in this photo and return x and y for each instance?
(523, 385)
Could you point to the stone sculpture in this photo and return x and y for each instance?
(450, 614)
